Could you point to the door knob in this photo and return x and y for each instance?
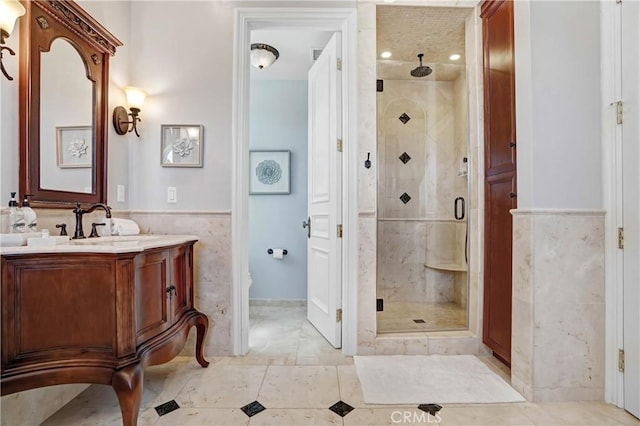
(307, 225)
(512, 195)
(512, 144)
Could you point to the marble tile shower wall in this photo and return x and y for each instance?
(419, 152)
(406, 249)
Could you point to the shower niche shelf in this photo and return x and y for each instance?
(450, 267)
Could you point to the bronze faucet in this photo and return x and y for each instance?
(79, 211)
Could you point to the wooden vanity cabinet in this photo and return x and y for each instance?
(96, 318)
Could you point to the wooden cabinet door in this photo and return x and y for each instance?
(181, 278)
(152, 298)
(44, 297)
(500, 173)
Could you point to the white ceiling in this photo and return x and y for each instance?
(404, 30)
(294, 47)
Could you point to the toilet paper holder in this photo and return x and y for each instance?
(270, 251)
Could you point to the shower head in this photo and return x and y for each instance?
(421, 71)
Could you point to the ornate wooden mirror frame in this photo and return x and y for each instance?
(43, 23)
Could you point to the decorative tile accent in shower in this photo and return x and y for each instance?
(167, 407)
(253, 408)
(404, 157)
(404, 118)
(341, 408)
(405, 198)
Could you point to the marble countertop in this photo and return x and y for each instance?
(114, 244)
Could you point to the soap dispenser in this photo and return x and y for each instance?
(16, 217)
(30, 217)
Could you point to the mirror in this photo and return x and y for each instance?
(64, 79)
(66, 122)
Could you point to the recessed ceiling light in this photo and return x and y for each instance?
(454, 57)
(385, 55)
(389, 1)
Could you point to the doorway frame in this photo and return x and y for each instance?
(343, 20)
(610, 44)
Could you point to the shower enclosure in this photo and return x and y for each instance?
(422, 282)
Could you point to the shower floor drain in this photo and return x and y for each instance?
(419, 321)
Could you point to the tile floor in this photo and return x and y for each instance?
(295, 380)
(407, 316)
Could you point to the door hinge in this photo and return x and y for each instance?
(621, 360)
(620, 238)
(339, 145)
(339, 233)
(339, 64)
(619, 112)
(339, 315)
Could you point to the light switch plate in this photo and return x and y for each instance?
(172, 194)
(120, 196)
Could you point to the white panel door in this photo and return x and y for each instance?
(324, 248)
(631, 201)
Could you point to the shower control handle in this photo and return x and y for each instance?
(458, 213)
(307, 225)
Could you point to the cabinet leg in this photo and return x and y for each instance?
(201, 328)
(127, 383)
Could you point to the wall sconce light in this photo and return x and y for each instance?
(10, 11)
(263, 55)
(121, 122)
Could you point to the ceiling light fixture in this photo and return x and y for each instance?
(385, 55)
(263, 55)
(10, 11)
(455, 57)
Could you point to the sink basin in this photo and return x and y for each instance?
(115, 240)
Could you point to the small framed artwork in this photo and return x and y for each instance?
(74, 147)
(181, 145)
(270, 172)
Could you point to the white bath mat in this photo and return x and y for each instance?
(421, 379)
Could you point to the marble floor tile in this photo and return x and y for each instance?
(87, 416)
(281, 330)
(301, 395)
(204, 416)
(297, 386)
(295, 417)
(350, 390)
(384, 417)
(300, 387)
(400, 316)
(493, 414)
(586, 413)
(223, 386)
(262, 359)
